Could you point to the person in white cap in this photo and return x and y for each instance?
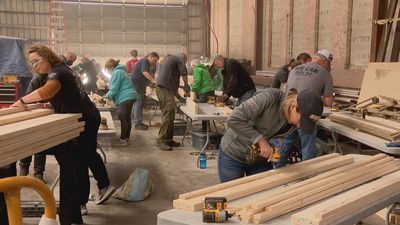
(316, 76)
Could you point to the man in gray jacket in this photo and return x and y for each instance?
(268, 114)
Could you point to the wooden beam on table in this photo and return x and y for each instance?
(21, 128)
(378, 130)
(24, 115)
(348, 203)
(7, 111)
(255, 186)
(386, 32)
(246, 179)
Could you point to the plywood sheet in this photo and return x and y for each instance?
(381, 79)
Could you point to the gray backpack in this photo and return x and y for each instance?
(137, 188)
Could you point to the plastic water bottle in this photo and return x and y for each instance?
(202, 161)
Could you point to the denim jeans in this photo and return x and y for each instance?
(246, 96)
(307, 145)
(230, 169)
(139, 104)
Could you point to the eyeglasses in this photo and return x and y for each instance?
(35, 61)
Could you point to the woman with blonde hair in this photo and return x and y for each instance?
(268, 114)
(65, 95)
(123, 94)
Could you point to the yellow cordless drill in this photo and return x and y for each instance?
(276, 144)
(214, 210)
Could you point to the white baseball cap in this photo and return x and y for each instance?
(327, 54)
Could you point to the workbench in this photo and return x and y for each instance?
(103, 135)
(359, 136)
(181, 217)
(207, 112)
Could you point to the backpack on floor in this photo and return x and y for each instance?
(137, 188)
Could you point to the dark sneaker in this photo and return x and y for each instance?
(174, 144)
(164, 147)
(84, 210)
(141, 127)
(104, 194)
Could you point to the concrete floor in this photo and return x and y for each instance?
(172, 173)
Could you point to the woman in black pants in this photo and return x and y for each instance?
(123, 95)
(66, 95)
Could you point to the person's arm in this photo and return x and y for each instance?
(328, 101)
(328, 91)
(149, 77)
(115, 84)
(49, 90)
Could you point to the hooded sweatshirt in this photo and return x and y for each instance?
(121, 88)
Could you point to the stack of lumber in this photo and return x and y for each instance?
(303, 193)
(389, 131)
(292, 187)
(193, 201)
(349, 203)
(24, 133)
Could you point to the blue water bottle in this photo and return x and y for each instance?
(202, 161)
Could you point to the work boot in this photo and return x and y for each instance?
(104, 194)
(141, 126)
(173, 143)
(163, 145)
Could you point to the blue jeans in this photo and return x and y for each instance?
(307, 145)
(139, 104)
(230, 169)
(246, 96)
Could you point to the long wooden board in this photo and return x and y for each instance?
(255, 186)
(19, 129)
(25, 115)
(6, 111)
(243, 180)
(349, 202)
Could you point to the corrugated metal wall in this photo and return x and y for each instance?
(112, 29)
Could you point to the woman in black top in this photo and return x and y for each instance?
(66, 95)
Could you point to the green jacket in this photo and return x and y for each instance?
(203, 82)
(121, 88)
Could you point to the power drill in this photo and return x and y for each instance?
(214, 210)
(276, 144)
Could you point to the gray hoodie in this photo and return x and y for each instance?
(254, 119)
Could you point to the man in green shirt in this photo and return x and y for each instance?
(205, 83)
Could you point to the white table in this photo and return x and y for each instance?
(359, 136)
(181, 217)
(104, 134)
(207, 112)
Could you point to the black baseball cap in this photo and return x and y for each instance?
(311, 107)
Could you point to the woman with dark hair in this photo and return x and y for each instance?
(282, 75)
(123, 95)
(65, 96)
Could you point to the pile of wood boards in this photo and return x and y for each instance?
(24, 133)
(193, 201)
(332, 174)
(379, 127)
(349, 203)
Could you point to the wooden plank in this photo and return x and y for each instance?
(246, 179)
(192, 106)
(38, 147)
(349, 202)
(255, 186)
(301, 201)
(396, 42)
(11, 110)
(386, 33)
(25, 115)
(17, 143)
(372, 128)
(380, 79)
(314, 185)
(28, 126)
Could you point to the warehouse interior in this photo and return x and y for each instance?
(179, 112)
